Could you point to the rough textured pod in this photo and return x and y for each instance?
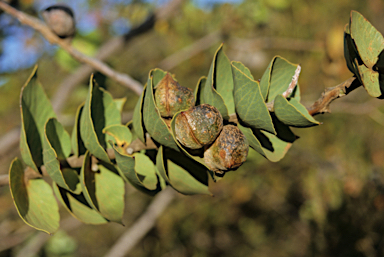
(229, 150)
(170, 97)
(198, 126)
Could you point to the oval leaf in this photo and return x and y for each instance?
(153, 122)
(121, 134)
(182, 173)
(57, 147)
(211, 95)
(78, 207)
(35, 109)
(99, 112)
(33, 199)
(250, 105)
(293, 113)
(369, 41)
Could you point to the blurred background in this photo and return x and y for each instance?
(325, 198)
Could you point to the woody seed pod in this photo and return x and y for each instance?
(198, 126)
(170, 97)
(229, 150)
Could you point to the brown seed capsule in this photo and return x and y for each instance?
(229, 150)
(170, 97)
(198, 126)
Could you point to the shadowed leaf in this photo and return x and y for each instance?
(77, 143)
(78, 207)
(137, 120)
(35, 111)
(33, 199)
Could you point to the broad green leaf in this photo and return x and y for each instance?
(146, 171)
(369, 79)
(78, 207)
(182, 173)
(33, 199)
(121, 134)
(137, 120)
(120, 103)
(243, 69)
(211, 95)
(126, 166)
(99, 111)
(153, 122)
(281, 75)
(369, 41)
(293, 113)
(223, 81)
(199, 95)
(35, 111)
(57, 147)
(77, 143)
(265, 80)
(276, 146)
(252, 139)
(250, 105)
(103, 189)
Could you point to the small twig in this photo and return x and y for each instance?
(141, 227)
(330, 94)
(40, 26)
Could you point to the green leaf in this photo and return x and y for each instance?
(265, 80)
(120, 103)
(369, 79)
(281, 75)
(99, 111)
(78, 207)
(35, 111)
(77, 143)
(153, 122)
(57, 147)
(126, 166)
(199, 95)
(369, 41)
(252, 139)
(293, 113)
(211, 95)
(223, 81)
(33, 199)
(249, 102)
(182, 173)
(276, 146)
(137, 120)
(243, 69)
(121, 134)
(103, 189)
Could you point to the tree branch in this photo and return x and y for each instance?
(330, 94)
(40, 26)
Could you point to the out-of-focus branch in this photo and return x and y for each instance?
(40, 26)
(141, 227)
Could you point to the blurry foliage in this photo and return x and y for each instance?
(325, 198)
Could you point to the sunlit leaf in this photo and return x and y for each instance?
(78, 207)
(35, 111)
(182, 173)
(153, 122)
(121, 134)
(57, 147)
(250, 105)
(33, 199)
(99, 112)
(211, 95)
